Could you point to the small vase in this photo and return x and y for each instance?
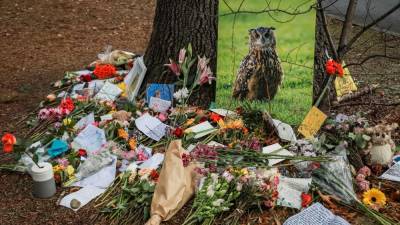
(381, 154)
(44, 185)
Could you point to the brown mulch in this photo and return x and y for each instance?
(40, 40)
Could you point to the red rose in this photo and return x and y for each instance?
(178, 132)
(8, 141)
(330, 67)
(67, 104)
(154, 175)
(339, 70)
(306, 199)
(82, 152)
(57, 178)
(215, 117)
(86, 78)
(203, 119)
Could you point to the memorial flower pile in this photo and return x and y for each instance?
(229, 162)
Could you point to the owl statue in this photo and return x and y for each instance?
(260, 73)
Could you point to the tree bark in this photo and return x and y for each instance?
(176, 24)
(322, 44)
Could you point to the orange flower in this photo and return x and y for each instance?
(104, 71)
(215, 117)
(8, 141)
(132, 143)
(123, 134)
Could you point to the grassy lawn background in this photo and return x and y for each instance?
(295, 43)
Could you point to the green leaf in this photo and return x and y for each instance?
(35, 158)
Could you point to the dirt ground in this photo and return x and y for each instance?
(40, 40)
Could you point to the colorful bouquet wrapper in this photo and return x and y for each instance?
(176, 185)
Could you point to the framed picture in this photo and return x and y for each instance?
(134, 78)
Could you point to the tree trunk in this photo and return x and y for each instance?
(320, 77)
(176, 24)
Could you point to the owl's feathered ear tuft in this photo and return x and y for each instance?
(272, 28)
(251, 30)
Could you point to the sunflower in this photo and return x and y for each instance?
(374, 197)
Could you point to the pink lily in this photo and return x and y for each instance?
(206, 76)
(182, 55)
(202, 63)
(174, 67)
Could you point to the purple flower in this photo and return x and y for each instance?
(365, 171)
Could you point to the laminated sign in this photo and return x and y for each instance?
(344, 85)
(312, 123)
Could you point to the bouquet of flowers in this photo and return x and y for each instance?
(128, 201)
(216, 195)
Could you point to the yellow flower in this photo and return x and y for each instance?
(237, 124)
(67, 121)
(122, 86)
(57, 168)
(123, 134)
(70, 171)
(221, 124)
(374, 197)
(132, 143)
(190, 122)
(244, 171)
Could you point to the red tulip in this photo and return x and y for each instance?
(8, 141)
(82, 152)
(215, 117)
(178, 132)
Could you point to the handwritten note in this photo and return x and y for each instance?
(312, 123)
(151, 126)
(290, 190)
(344, 85)
(108, 92)
(316, 214)
(91, 139)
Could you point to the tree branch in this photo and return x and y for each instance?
(373, 23)
(372, 57)
(347, 26)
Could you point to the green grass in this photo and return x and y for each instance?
(295, 43)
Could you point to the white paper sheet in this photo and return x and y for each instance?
(159, 105)
(84, 196)
(224, 112)
(153, 163)
(151, 126)
(290, 190)
(108, 92)
(393, 173)
(83, 72)
(285, 131)
(101, 179)
(215, 144)
(91, 139)
(316, 214)
(106, 117)
(277, 150)
(83, 122)
(96, 85)
(201, 129)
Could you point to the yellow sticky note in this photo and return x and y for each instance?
(312, 122)
(344, 85)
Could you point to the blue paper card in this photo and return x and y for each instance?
(163, 91)
(57, 148)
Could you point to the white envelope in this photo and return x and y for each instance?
(151, 126)
(108, 92)
(159, 105)
(285, 131)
